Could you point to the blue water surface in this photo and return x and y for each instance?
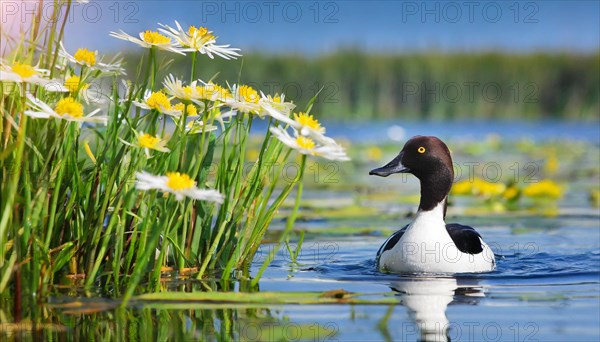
(546, 286)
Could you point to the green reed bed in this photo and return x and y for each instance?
(363, 86)
(111, 185)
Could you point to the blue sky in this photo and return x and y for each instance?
(310, 27)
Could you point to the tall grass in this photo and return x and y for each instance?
(119, 197)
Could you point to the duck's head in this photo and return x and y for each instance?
(428, 158)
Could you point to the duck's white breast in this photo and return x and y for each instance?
(427, 247)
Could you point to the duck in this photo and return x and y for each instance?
(428, 244)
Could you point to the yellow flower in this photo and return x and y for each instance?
(308, 122)
(212, 92)
(159, 101)
(179, 181)
(248, 94)
(155, 38)
(276, 107)
(478, 187)
(201, 35)
(198, 31)
(544, 188)
(179, 107)
(23, 70)
(66, 109)
(89, 58)
(85, 56)
(374, 153)
(463, 187)
(148, 39)
(244, 99)
(179, 184)
(487, 189)
(26, 73)
(148, 141)
(199, 40)
(305, 143)
(511, 193)
(69, 106)
(191, 110)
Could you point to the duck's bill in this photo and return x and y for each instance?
(395, 166)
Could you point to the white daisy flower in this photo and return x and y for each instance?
(66, 109)
(308, 146)
(25, 73)
(277, 104)
(199, 39)
(175, 87)
(306, 124)
(244, 99)
(179, 184)
(195, 92)
(159, 102)
(85, 57)
(214, 92)
(149, 142)
(149, 39)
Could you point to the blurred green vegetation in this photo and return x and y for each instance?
(362, 86)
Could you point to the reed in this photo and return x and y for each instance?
(364, 86)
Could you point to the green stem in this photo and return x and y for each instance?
(193, 74)
(14, 181)
(60, 36)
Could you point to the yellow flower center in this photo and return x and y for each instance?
(248, 94)
(148, 141)
(85, 56)
(68, 106)
(155, 38)
(200, 36)
(198, 31)
(308, 121)
(304, 142)
(158, 101)
(179, 181)
(179, 107)
(277, 99)
(213, 92)
(188, 92)
(191, 109)
(23, 70)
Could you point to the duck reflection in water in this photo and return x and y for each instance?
(427, 299)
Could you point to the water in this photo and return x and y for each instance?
(546, 287)
(472, 130)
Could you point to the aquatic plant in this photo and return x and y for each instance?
(114, 185)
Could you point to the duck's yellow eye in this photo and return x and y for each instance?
(421, 149)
